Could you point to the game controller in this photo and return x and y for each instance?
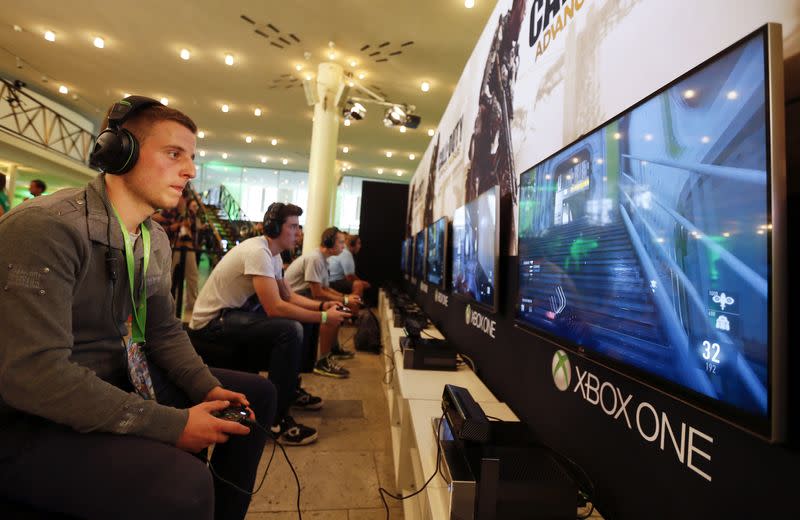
(342, 308)
(235, 413)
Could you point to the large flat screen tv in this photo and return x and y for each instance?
(419, 255)
(656, 244)
(436, 258)
(475, 249)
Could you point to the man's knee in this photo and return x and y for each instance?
(188, 491)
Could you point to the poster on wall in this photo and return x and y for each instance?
(545, 72)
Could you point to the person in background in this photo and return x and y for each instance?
(4, 204)
(308, 276)
(37, 187)
(290, 255)
(342, 268)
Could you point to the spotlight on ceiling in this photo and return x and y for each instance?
(395, 116)
(354, 110)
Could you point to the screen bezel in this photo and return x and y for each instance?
(495, 278)
(443, 282)
(772, 426)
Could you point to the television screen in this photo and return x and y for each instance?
(419, 255)
(475, 243)
(405, 260)
(647, 243)
(437, 245)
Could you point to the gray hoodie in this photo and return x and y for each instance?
(61, 356)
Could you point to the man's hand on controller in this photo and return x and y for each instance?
(220, 394)
(203, 429)
(329, 305)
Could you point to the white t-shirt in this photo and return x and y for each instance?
(310, 267)
(231, 282)
(341, 266)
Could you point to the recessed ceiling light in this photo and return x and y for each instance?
(99, 42)
(346, 122)
(125, 94)
(399, 173)
(17, 28)
(285, 161)
(389, 154)
(274, 142)
(263, 159)
(411, 157)
(309, 77)
(224, 155)
(201, 134)
(331, 55)
(229, 59)
(469, 4)
(257, 112)
(425, 86)
(64, 90)
(617, 136)
(202, 153)
(185, 54)
(351, 83)
(689, 93)
(380, 171)
(225, 108)
(648, 137)
(402, 129)
(362, 75)
(248, 139)
(164, 101)
(431, 131)
(50, 36)
(353, 63)
(732, 95)
(298, 67)
(705, 139)
(345, 149)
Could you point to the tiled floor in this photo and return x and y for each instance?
(340, 473)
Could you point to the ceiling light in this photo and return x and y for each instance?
(402, 129)
(469, 4)
(353, 63)
(705, 139)
(185, 54)
(50, 36)
(399, 173)
(431, 131)
(617, 136)
(411, 157)
(263, 159)
(224, 155)
(346, 121)
(298, 67)
(345, 149)
(380, 171)
(63, 89)
(309, 77)
(257, 112)
(732, 95)
(355, 110)
(425, 86)
(362, 75)
(202, 153)
(99, 43)
(389, 155)
(248, 139)
(225, 108)
(201, 134)
(575, 160)
(17, 28)
(273, 142)
(164, 101)
(285, 161)
(395, 116)
(125, 94)
(648, 137)
(689, 93)
(331, 55)
(229, 59)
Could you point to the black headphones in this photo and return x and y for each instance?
(329, 237)
(116, 149)
(273, 220)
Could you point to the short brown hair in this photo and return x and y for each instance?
(329, 236)
(140, 122)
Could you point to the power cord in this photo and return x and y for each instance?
(386, 379)
(382, 491)
(264, 477)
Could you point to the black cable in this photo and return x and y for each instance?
(388, 381)
(382, 491)
(263, 478)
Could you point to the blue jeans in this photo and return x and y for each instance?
(280, 339)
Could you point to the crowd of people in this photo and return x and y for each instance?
(101, 385)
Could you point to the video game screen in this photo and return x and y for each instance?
(419, 255)
(437, 242)
(475, 243)
(405, 259)
(648, 241)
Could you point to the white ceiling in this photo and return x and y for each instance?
(141, 56)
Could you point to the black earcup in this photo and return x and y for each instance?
(115, 151)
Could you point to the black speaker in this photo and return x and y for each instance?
(116, 149)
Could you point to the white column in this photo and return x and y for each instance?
(11, 182)
(322, 162)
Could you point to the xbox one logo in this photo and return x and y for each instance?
(469, 314)
(562, 370)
